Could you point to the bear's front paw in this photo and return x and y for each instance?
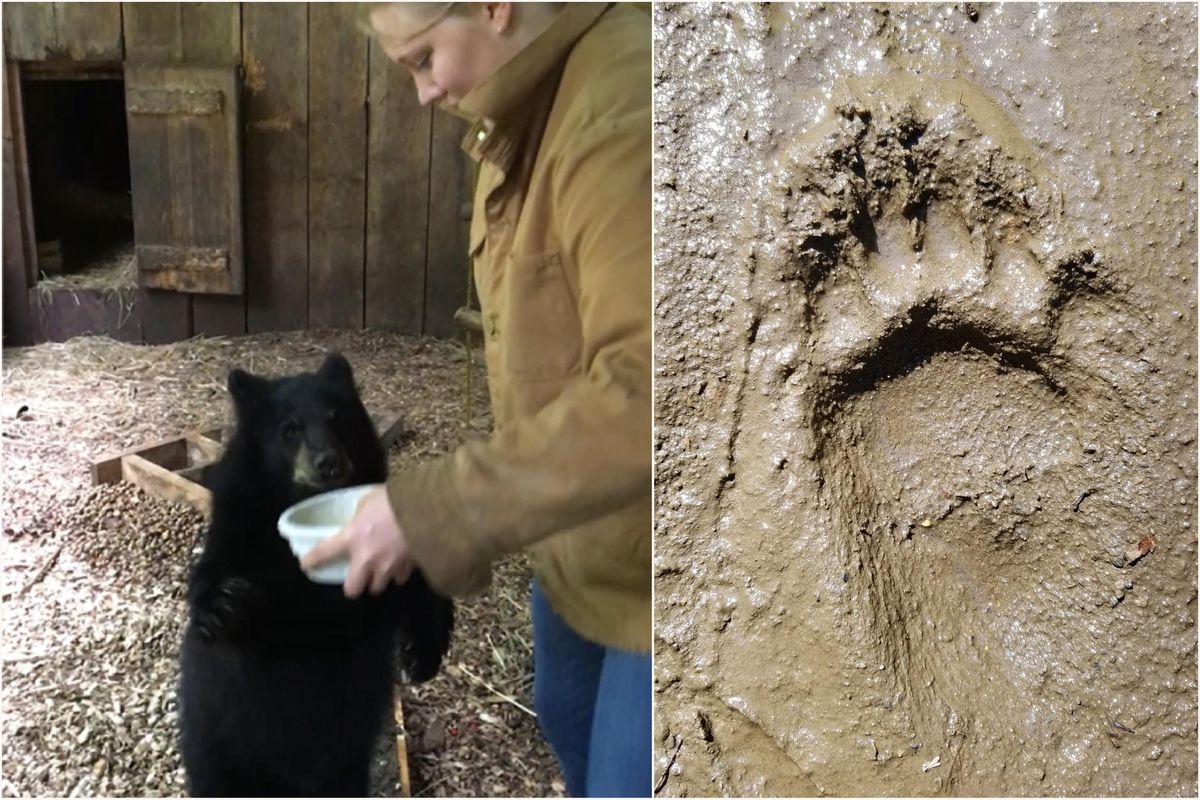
(418, 663)
(222, 609)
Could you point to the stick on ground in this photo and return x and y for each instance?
(497, 692)
(39, 577)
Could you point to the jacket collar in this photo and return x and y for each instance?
(494, 105)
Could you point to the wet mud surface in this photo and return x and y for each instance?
(925, 386)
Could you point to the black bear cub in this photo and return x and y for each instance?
(284, 682)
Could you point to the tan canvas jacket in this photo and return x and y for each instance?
(560, 242)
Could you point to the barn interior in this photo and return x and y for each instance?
(329, 212)
(78, 147)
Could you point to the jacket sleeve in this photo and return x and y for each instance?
(587, 452)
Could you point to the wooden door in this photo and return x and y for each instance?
(185, 175)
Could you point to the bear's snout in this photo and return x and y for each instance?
(330, 466)
(320, 468)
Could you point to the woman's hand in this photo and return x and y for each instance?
(374, 543)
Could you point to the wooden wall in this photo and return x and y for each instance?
(353, 194)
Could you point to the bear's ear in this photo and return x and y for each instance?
(245, 387)
(336, 369)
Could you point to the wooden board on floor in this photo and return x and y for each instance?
(172, 454)
(164, 483)
(390, 428)
(202, 448)
(398, 185)
(402, 776)
(169, 454)
(337, 166)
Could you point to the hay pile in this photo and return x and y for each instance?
(112, 271)
(93, 577)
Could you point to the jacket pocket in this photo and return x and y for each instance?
(539, 328)
(478, 235)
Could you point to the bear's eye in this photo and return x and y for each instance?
(291, 429)
(331, 414)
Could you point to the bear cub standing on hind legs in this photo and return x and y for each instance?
(284, 682)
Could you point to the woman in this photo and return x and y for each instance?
(559, 98)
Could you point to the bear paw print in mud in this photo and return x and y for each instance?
(929, 248)
(920, 277)
(919, 221)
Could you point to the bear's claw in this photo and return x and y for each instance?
(221, 609)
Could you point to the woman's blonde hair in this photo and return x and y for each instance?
(445, 9)
(433, 13)
(436, 12)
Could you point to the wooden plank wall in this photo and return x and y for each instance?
(18, 320)
(352, 192)
(398, 186)
(212, 36)
(275, 54)
(154, 35)
(337, 167)
(62, 31)
(449, 231)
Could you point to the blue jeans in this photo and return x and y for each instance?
(593, 705)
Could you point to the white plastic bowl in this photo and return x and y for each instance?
(318, 518)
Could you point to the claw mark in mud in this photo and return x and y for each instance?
(918, 222)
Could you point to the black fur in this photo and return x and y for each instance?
(284, 683)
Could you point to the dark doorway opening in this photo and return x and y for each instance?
(78, 149)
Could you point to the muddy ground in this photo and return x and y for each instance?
(93, 577)
(926, 443)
